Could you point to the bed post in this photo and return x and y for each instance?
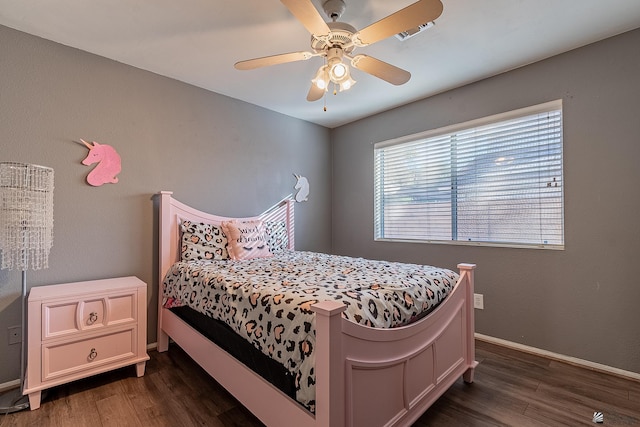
(329, 369)
(467, 274)
(164, 246)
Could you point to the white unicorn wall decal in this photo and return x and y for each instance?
(302, 185)
(109, 164)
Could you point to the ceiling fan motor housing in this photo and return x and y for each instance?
(334, 8)
(341, 35)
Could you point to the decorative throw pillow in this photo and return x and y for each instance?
(202, 241)
(247, 239)
(277, 237)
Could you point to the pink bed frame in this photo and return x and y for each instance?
(364, 376)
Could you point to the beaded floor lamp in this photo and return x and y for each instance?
(26, 237)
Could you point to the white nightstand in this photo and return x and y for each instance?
(80, 329)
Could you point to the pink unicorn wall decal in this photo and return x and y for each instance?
(108, 167)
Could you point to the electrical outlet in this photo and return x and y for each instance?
(478, 301)
(15, 334)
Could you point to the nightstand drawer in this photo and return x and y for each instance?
(67, 358)
(69, 317)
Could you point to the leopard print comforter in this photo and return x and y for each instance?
(268, 300)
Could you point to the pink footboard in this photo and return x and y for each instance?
(385, 377)
(364, 376)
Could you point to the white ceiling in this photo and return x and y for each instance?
(198, 41)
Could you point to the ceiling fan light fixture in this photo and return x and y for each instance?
(321, 80)
(347, 83)
(338, 72)
(337, 69)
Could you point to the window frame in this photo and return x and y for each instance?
(465, 126)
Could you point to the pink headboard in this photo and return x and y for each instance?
(173, 212)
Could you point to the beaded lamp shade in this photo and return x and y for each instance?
(26, 216)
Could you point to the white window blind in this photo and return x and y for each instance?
(495, 181)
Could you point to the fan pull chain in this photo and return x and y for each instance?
(324, 100)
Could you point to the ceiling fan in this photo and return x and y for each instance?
(336, 41)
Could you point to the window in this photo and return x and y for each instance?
(493, 181)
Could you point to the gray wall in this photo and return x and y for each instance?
(583, 301)
(216, 153)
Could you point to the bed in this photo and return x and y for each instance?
(362, 375)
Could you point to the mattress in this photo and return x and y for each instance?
(242, 350)
(267, 301)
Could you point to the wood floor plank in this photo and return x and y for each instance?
(117, 410)
(473, 414)
(172, 400)
(549, 416)
(569, 400)
(484, 405)
(511, 388)
(607, 384)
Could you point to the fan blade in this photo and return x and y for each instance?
(308, 15)
(265, 61)
(315, 93)
(418, 13)
(380, 69)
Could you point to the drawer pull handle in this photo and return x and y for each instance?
(93, 317)
(93, 354)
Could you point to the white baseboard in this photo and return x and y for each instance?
(560, 357)
(152, 346)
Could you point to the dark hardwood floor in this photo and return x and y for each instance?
(511, 388)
